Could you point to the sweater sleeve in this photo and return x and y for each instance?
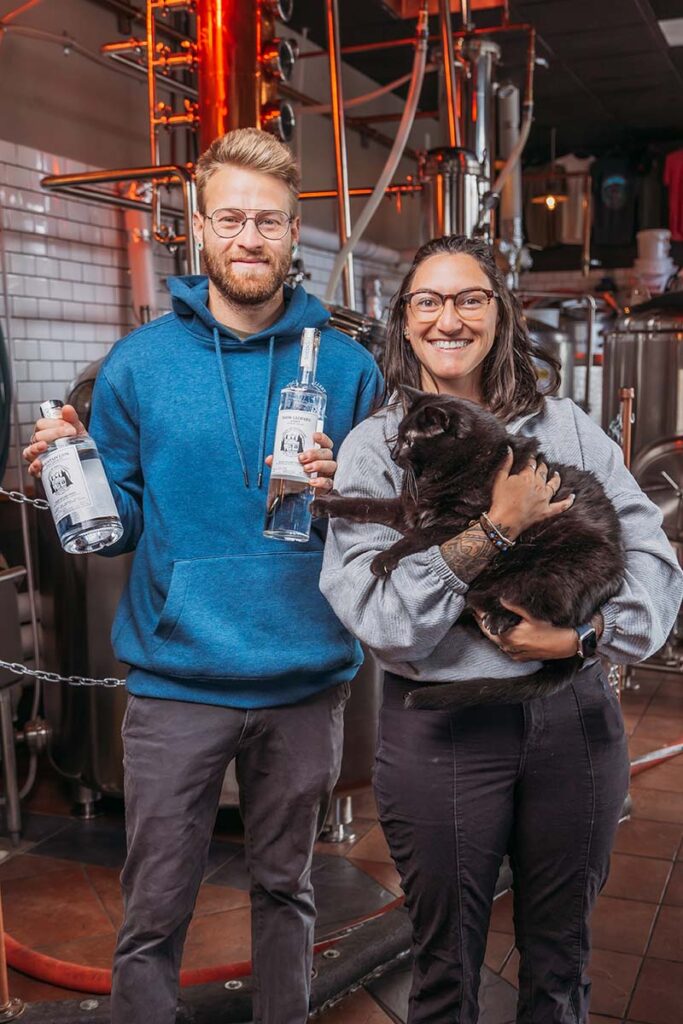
(116, 435)
(639, 618)
(404, 617)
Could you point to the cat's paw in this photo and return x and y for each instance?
(323, 504)
(383, 565)
(498, 623)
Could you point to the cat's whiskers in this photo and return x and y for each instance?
(410, 484)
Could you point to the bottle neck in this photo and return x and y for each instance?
(308, 359)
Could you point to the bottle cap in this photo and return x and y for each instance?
(50, 409)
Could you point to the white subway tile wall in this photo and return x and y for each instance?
(68, 280)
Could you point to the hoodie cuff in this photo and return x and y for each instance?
(438, 565)
(609, 617)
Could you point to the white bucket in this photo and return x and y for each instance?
(653, 244)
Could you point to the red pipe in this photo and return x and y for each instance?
(97, 980)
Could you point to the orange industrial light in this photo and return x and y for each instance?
(555, 192)
(550, 200)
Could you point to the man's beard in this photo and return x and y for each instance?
(242, 288)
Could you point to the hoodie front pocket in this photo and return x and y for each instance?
(249, 616)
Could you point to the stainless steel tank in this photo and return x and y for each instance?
(645, 352)
(475, 68)
(79, 599)
(453, 182)
(558, 344)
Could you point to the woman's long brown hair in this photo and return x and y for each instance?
(508, 376)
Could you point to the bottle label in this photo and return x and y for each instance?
(68, 487)
(293, 436)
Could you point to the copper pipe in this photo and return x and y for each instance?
(158, 175)
(331, 193)
(124, 47)
(421, 115)
(134, 14)
(151, 85)
(343, 204)
(454, 134)
(356, 124)
(390, 44)
(10, 1009)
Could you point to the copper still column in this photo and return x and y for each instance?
(241, 64)
(229, 79)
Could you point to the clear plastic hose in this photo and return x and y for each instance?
(404, 129)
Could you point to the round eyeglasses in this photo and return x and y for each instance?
(470, 304)
(272, 224)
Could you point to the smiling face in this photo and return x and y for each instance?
(450, 349)
(247, 269)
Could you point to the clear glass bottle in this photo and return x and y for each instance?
(78, 491)
(302, 412)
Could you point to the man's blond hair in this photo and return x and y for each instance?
(254, 150)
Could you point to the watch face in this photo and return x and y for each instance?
(589, 640)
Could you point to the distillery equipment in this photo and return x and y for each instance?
(644, 351)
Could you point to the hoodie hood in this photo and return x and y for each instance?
(190, 295)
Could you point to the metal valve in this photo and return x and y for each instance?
(36, 734)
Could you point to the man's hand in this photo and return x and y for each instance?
(531, 639)
(318, 460)
(48, 430)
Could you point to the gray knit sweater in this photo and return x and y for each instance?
(410, 620)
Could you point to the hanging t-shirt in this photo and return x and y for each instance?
(615, 191)
(673, 179)
(572, 212)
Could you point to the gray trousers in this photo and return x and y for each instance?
(175, 756)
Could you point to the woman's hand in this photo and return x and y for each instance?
(48, 430)
(318, 460)
(532, 639)
(519, 501)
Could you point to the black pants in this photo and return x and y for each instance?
(544, 782)
(175, 757)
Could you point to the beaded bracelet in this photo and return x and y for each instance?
(498, 539)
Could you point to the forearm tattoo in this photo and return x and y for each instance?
(470, 552)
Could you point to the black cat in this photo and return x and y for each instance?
(561, 570)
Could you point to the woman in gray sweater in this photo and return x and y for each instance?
(543, 780)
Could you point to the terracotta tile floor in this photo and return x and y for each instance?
(61, 895)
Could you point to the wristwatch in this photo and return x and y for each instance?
(588, 640)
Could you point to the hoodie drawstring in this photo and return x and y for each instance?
(231, 409)
(264, 422)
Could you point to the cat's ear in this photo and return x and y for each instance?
(410, 395)
(437, 418)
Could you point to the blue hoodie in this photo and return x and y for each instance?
(183, 416)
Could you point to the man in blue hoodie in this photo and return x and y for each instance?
(233, 652)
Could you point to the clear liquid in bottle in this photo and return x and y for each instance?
(78, 491)
(302, 412)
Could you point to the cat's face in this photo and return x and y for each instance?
(438, 432)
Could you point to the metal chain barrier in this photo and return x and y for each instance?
(37, 673)
(22, 499)
(54, 677)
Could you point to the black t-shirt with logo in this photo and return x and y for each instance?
(615, 193)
